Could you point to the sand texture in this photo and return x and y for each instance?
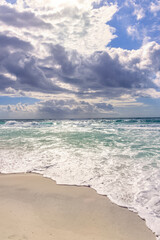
(36, 208)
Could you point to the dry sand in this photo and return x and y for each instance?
(36, 208)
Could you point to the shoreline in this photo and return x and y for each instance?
(35, 207)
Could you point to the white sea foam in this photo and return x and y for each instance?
(118, 158)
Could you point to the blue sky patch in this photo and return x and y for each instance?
(5, 100)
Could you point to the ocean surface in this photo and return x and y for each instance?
(119, 158)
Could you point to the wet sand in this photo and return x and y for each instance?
(36, 208)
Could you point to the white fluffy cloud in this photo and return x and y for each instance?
(133, 32)
(72, 24)
(138, 9)
(145, 58)
(155, 6)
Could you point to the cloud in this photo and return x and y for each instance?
(72, 24)
(141, 21)
(71, 108)
(14, 43)
(57, 50)
(133, 32)
(54, 65)
(58, 109)
(5, 82)
(139, 12)
(109, 73)
(104, 106)
(149, 93)
(10, 16)
(19, 110)
(139, 9)
(114, 68)
(155, 6)
(28, 75)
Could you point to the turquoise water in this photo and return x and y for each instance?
(118, 157)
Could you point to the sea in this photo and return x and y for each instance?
(119, 158)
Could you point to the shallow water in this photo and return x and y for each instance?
(119, 158)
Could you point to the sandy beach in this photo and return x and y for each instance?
(36, 208)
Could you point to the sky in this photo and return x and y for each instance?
(79, 59)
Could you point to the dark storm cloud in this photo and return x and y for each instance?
(11, 17)
(29, 76)
(5, 82)
(104, 106)
(63, 63)
(111, 73)
(71, 108)
(14, 43)
(100, 72)
(61, 57)
(95, 75)
(16, 59)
